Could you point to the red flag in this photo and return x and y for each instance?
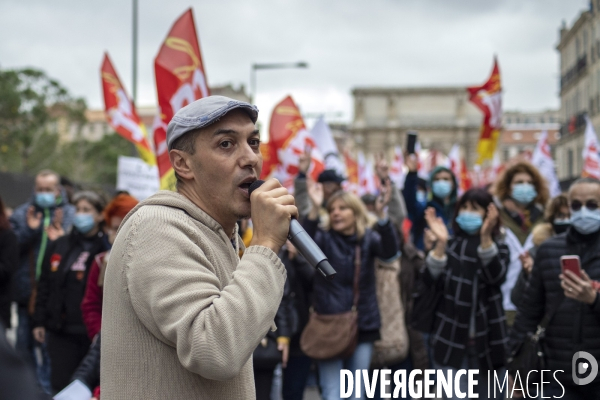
(465, 177)
(180, 80)
(269, 155)
(488, 98)
(288, 139)
(121, 113)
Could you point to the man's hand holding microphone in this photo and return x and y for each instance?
(273, 208)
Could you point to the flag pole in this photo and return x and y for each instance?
(134, 47)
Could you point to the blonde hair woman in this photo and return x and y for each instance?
(347, 233)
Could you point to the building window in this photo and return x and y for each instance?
(505, 154)
(517, 135)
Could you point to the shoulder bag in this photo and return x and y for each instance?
(530, 354)
(335, 335)
(393, 345)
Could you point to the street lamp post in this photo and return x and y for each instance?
(255, 67)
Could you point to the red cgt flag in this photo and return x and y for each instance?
(351, 184)
(180, 80)
(288, 139)
(121, 113)
(488, 98)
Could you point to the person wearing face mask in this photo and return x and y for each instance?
(557, 219)
(469, 327)
(575, 323)
(65, 269)
(443, 198)
(45, 217)
(521, 194)
(91, 305)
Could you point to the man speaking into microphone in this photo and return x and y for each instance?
(182, 312)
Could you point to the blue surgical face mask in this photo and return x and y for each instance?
(45, 200)
(524, 193)
(441, 189)
(84, 222)
(421, 197)
(586, 221)
(470, 222)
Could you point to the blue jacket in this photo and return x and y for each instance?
(335, 296)
(416, 210)
(30, 241)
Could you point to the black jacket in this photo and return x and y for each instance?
(30, 243)
(575, 325)
(52, 296)
(298, 290)
(335, 296)
(17, 380)
(88, 371)
(465, 282)
(9, 263)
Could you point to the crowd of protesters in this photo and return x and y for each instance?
(478, 272)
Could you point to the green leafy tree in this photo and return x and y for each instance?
(31, 104)
(36, 111)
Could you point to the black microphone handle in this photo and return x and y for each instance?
(304, 243)
(309, 249)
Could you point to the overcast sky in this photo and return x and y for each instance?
(347, 44)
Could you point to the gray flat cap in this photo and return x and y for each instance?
(202, 113)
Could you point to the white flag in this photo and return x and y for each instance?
(397, 174)
(453, 160)
(366, 176)
(591, 160)
(542, 160)
(287, 169)
(322, 136)
(453, 163)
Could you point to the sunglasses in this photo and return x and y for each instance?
(590, 205)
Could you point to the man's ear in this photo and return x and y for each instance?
(180, 160)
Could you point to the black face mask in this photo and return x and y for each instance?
(560, 228)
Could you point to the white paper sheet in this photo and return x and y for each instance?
(75, 391)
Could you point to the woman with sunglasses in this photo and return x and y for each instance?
(521, 194)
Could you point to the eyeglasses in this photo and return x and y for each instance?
(590, 205)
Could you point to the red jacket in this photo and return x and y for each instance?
(91, 306)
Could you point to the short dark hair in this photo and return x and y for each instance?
(554, 205)
(93, 198)
(474, 196)
(187, 144)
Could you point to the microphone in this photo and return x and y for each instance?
(304, 243)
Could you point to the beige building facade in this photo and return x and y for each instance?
(442, 116)
(579, 48)
(521, 131)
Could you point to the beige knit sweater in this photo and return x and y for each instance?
(182, 313)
